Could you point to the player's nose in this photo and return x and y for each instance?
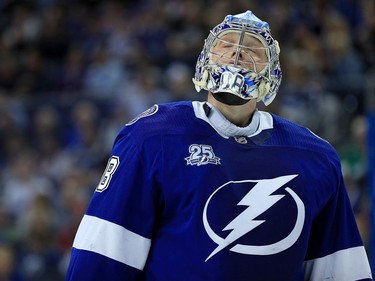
(234, 52)
(237, 57)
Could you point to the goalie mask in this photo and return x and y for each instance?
(239, 61)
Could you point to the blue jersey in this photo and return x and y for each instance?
(181, 200)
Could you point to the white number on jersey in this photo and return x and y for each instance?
(112, 165)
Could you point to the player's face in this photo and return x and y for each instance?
(250, 54)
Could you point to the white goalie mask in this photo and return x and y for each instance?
(239, 61)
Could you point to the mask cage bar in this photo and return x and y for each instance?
(239, 44)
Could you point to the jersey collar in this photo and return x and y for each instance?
(261, 121)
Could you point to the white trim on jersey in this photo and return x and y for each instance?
(113, 241)
(261, 121)
(345, 265)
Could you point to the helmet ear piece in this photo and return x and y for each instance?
(263, 85)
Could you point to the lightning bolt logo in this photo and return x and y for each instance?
(258, 200)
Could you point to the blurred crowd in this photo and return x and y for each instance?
(72, 73)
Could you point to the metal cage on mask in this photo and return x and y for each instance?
(232, 83)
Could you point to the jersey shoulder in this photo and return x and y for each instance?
(161, 119)
(291, 134)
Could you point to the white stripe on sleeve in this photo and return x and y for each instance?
(113, 241)
(345, 265)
